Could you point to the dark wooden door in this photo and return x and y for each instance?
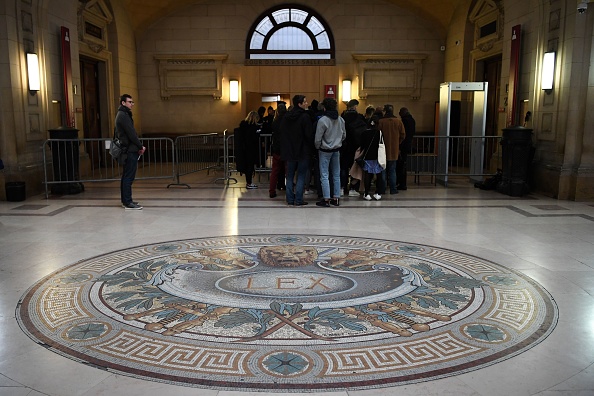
(90, 102)
(492, 75)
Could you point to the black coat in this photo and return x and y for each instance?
(276, 134)
(409, 128)
(355, 125)
(370, 143)
(246, 146)
(124, 129)
(297, 135)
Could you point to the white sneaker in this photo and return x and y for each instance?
(367, 197)
(251, 186)
(353, 193)
(377, 197)
(307, 192)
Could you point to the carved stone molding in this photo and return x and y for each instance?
(390, 74)
(196, 75)
(487, 45)
(93, 18)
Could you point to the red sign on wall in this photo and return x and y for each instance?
(330, 91)
(67, 74)
(514, 76)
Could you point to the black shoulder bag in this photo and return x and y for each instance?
(116, 148)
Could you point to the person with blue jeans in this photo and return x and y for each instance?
(330, 133)
(296, 139)
(125, 131)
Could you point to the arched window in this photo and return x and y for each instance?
(290, 32)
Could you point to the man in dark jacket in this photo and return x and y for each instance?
(405, 147)
(124, 125)
(296, 139)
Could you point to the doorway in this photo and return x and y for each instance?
(489, 70)
(91, 105)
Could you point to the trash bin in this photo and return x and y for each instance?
(15, 191)
(65, 156)
(517, 153)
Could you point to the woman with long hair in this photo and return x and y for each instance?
(369, 144)
(246, 147)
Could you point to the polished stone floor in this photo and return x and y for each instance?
(549, 241)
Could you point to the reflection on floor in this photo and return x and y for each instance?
(548, 241)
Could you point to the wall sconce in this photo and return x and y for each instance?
(33, 72)
(233, 91)
(548, 71)
(346, 90)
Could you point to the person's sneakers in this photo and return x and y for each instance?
(135, 203)
(394, 192)
(367, 197)
(301, 204)
(334, 202)
(307, 192)
(403, 188)
(323, 203)
(133, 206)
(272, 194)
(353, 193)
(377, 197)
(251, 186)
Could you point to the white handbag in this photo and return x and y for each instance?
(381, 152)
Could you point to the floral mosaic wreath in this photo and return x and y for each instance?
(290, 312)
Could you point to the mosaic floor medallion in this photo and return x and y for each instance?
(291, 312)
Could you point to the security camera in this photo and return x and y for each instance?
(582, 7)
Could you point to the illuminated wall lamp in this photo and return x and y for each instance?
(346, 90)
(33, 72)
(233, 91)
(548, 71)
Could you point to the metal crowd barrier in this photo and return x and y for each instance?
(194, 153)
(76, 161)
(425, 156)
(264, 164)
(228, 158)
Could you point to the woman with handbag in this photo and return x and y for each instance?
(369, 144)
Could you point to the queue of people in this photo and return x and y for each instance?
(339, 152)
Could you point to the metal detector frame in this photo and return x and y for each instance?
(479, 119)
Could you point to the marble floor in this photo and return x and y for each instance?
(550, 241)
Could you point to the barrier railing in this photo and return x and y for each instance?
(264, 164)
(77, 161)
(195, 153)
(228, 157)
(425, 156)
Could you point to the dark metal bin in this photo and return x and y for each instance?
(517, 154)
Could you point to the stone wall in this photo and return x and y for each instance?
(222, 27)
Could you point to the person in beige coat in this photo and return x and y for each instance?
(394, 134)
